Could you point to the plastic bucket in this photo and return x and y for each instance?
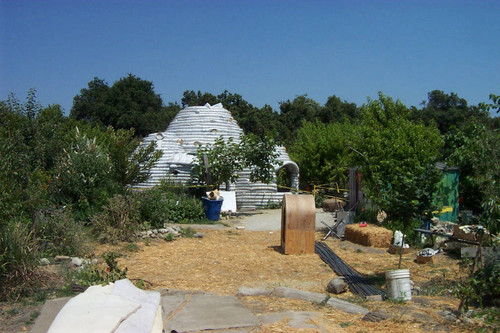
(212, 208)
(398, 284)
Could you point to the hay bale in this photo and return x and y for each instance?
(368, 236)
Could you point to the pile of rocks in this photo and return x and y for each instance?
(160, 233)
(71, 261)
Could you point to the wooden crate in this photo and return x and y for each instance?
(460, 234)
(298, 222)
(423, 260)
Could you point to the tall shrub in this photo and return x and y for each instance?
(83, 176)
(397, 160)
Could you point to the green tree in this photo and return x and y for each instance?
(190, 98)
(292, 113)
(476, 151)
(496, 102)
(99, 164)
(447, 111)
(224, 159)
(129, 103)
(52, 127)
(336, 110)
(217, 163)
(322, 151)
(262, 122)
(397, 158)
(260, 156)
(23, 180)
(92, 104)
(131, 163)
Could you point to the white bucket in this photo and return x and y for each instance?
(398, 284)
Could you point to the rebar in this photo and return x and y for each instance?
(358, 284)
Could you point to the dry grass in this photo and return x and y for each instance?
(225, 260)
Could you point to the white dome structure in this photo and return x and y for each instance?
(201, 125)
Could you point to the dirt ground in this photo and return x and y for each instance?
(224, 260)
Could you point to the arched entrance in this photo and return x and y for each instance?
(287, 177)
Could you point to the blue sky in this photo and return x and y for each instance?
(266, 51)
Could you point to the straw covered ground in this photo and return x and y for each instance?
(224, 260)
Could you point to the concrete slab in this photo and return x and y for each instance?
(49, 311)
(93, 313)
(307, 296)
(205, 312)
(270, 220)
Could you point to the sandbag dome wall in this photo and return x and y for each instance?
(201, 125)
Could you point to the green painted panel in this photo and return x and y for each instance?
(446, 195)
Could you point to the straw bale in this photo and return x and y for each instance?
(368, 236)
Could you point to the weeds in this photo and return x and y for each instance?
(130, 247)
(491, 317)
(18, 260)
(272, 205)
(188, 232)
(118, 220)
(92, 274)
(12, 312)
(34, 315)
(482, 287)
(169, 237)
(58, 233)
(356, 299)
(437, 286)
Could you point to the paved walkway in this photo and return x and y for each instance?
(186, 311)
(270, 220)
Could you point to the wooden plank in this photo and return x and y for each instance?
(298, 221)
(472, 251)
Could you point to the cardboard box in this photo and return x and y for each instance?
(460, 234)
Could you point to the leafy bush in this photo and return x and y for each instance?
(58, 233)
(228, 158)
(158, 207)
(18, 260)
(83, 176)
(118, 219)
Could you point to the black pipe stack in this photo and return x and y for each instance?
(357, 283)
